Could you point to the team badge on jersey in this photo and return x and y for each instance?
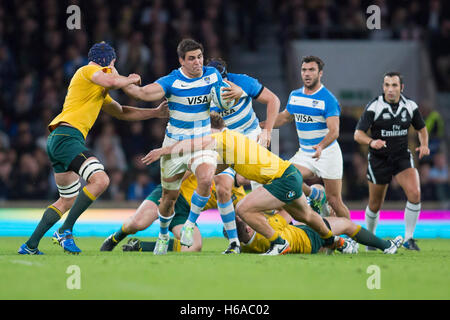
(404, 119)
(386, 116)
(207, 80)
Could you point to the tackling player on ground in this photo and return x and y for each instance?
(281, 181)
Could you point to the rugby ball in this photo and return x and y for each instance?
(216, 96)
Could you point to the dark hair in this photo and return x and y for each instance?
(219, 64)
(315, 59)
(187, 45)
(217, 121)
(394, 74)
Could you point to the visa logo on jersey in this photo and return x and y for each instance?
(304, 118)
(198, 100)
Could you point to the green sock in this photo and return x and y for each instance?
(119, 235)
(367, 238)
(150, 245)
(50, 217)
(82, 202)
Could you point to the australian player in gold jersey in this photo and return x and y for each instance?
(305, 240)
(147, 213)
(66, 146)
(281, 181)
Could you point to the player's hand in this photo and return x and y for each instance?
(152, 156)
(264, 138)
(262, 124)
(318, 152)
(135, 78)
(234, 92)
(378, 144)
(163, 109)
(423, 151)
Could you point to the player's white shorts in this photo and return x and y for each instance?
(253, 135)
(176, 164)
(329, 166)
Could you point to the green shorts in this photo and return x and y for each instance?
(288, 187)
(63, 145)
(182, 207)
(316, 241)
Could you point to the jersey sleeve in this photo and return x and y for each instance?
(166, 83)
(89, 70)
(332, 108)
(417, 120)
(250, 85)
(366, 120)
(107, 99)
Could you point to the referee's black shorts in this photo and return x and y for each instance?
(381, 168)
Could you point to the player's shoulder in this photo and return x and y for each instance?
(240, 77)
(375, 104)
(410, 103)
(327, 94)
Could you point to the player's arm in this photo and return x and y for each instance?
(281, 119)
(128, 113)
(270, 99)
(333, 134)
(423, 139)
(114, 80)
(360, 135)
(150, 92)
(180, 148)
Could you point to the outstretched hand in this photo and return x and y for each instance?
(423, 151)
(152, 156)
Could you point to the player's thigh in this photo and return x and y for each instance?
(68, 184)
(145, 215)
(408, 179)
(197, 246)
(258, 200)
(307, 172)
(377, 193)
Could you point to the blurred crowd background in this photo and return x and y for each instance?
(39, 55)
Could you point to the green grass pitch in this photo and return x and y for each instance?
(209, 275)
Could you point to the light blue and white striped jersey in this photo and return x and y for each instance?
(242, 117)
(311, 112)
(189, 101)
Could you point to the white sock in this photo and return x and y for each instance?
(371, 219)
(412, 212)
(164, 223)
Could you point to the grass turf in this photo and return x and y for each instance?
(209, 275)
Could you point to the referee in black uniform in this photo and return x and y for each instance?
(389, 117)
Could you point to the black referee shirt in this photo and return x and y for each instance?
(390, 122)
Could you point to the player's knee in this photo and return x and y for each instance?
(413, 195)
(100, 180)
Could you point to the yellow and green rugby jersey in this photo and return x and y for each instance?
(83, 101)
(248, 158)
(189, 185)
(297, 238)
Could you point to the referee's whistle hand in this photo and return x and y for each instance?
(378, 144)
(423, 151)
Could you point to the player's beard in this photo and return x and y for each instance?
(313, 84)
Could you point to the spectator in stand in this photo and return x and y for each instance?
(439, 177)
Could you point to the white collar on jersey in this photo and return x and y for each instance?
(186, 76)
(310, 94)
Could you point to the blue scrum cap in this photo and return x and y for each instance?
(102, 54)
(220, 65)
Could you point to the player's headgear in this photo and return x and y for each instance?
(101, 53)
(220, 65)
